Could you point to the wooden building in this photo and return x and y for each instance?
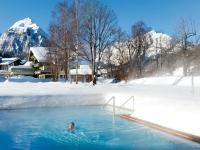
(26, 70)
(38, 57)
(83, 73)
(6, 63)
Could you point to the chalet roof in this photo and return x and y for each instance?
(28, 64)
(8, 61)
(83, 70)
(40, 53)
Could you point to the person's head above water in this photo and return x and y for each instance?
(71, 125)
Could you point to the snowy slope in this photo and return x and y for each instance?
(21, 35)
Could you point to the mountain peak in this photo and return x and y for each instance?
(158, 39)
(22, 35)
(22, 25)
(157, 35)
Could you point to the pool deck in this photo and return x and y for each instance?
(180, 134)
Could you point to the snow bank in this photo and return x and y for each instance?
(178, 72)
(47, 94)
(2, 78)
(25, 79)
(188, 81)
(155, 81)
(101, 80)
(16, 102)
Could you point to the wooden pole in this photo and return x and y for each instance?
(113, 105)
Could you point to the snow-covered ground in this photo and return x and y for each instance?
(170, 101)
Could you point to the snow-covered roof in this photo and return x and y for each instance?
(84, 67)
(83, 70)
(8, 61)
(40, 53)
(20, 67)
(102, 71)
(28, 63)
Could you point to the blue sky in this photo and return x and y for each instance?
(161, 15)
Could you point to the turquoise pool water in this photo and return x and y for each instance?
(46, 128)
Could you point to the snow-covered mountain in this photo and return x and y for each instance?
(159, 41)
(22, 35)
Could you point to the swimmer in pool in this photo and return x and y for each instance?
(71, 127)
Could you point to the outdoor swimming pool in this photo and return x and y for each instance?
(46, 128)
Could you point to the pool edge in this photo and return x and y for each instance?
(177, 133)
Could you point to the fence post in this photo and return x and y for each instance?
(114, 105)
(192, 83)
(133, 103)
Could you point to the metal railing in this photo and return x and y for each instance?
(113, 105)
(129, 99)
(122, 106)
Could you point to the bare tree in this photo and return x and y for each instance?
(142, 42)
(76, 44)
(162, 48)
(60, 32)
(65, 35)
(131, 53)
(108, 60)
(186, 31)
(98, 30)
(54, 56)
(121, 52)
(157, 51)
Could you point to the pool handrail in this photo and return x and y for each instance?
(111, 99)
(130, 98)
(121, 106)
